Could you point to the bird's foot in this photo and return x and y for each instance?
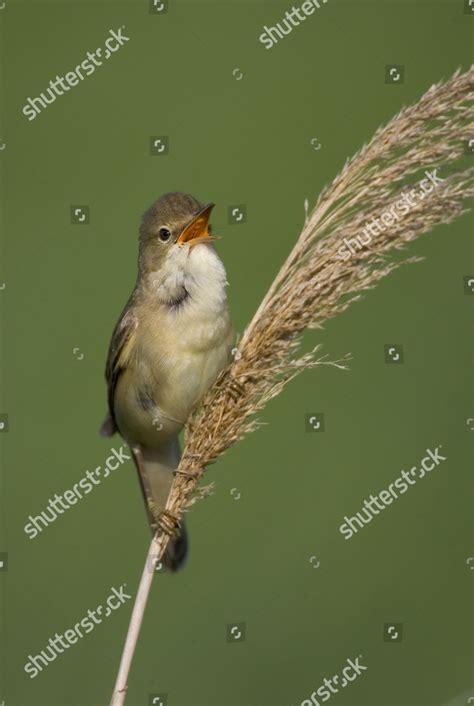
(164, 520)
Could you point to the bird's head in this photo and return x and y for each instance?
(175, 260)
(170, 228)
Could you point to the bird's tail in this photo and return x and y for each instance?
(158, 466)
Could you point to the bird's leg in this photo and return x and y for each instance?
(151, 508)
(159, 518)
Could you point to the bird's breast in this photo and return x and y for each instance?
(186, 353)
(180, 347)
(178, 357)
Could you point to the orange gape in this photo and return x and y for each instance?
(198, 230)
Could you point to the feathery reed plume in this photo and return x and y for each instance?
(319, 280)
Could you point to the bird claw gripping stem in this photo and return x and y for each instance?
(236, 389)
(166, 521)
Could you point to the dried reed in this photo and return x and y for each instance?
(316, 283)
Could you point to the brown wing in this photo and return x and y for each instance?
(121, 345)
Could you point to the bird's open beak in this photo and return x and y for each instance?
(198, 230)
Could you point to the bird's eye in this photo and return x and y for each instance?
(165, 234)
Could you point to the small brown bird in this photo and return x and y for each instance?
(170, 343)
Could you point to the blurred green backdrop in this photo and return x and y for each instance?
(265, 129)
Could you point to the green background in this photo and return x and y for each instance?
(232, 141)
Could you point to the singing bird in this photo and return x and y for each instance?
(170, 343)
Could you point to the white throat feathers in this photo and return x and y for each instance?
(192, 276)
